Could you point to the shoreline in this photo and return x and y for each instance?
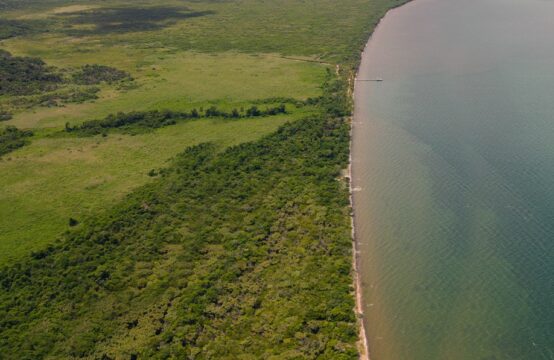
(363, 345)
(363, 342)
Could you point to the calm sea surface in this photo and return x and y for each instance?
(453, 168)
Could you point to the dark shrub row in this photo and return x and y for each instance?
(12, 138)
(136, 121)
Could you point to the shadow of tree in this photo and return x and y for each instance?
(123, 20)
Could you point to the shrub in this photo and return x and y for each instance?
(5, 116)
(96, 74)
(11, 138)
(25, 75)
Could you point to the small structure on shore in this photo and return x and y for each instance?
(376, 79)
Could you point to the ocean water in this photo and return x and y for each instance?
(453, 171)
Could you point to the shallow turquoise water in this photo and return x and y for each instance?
(453, 167)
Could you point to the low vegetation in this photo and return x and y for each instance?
(29, 82)
(11, 138)
(11, 28)
(5, 115)
(58, 98)
(25, 75)
(96, 74)
(108, 20)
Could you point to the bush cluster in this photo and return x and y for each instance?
(5, 115)
(11, 28)
(30, 82)
(96, 74)
(12, 138)
(56, 98)
(25, 75)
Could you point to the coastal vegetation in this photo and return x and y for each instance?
(141, 250)
(202, 250)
